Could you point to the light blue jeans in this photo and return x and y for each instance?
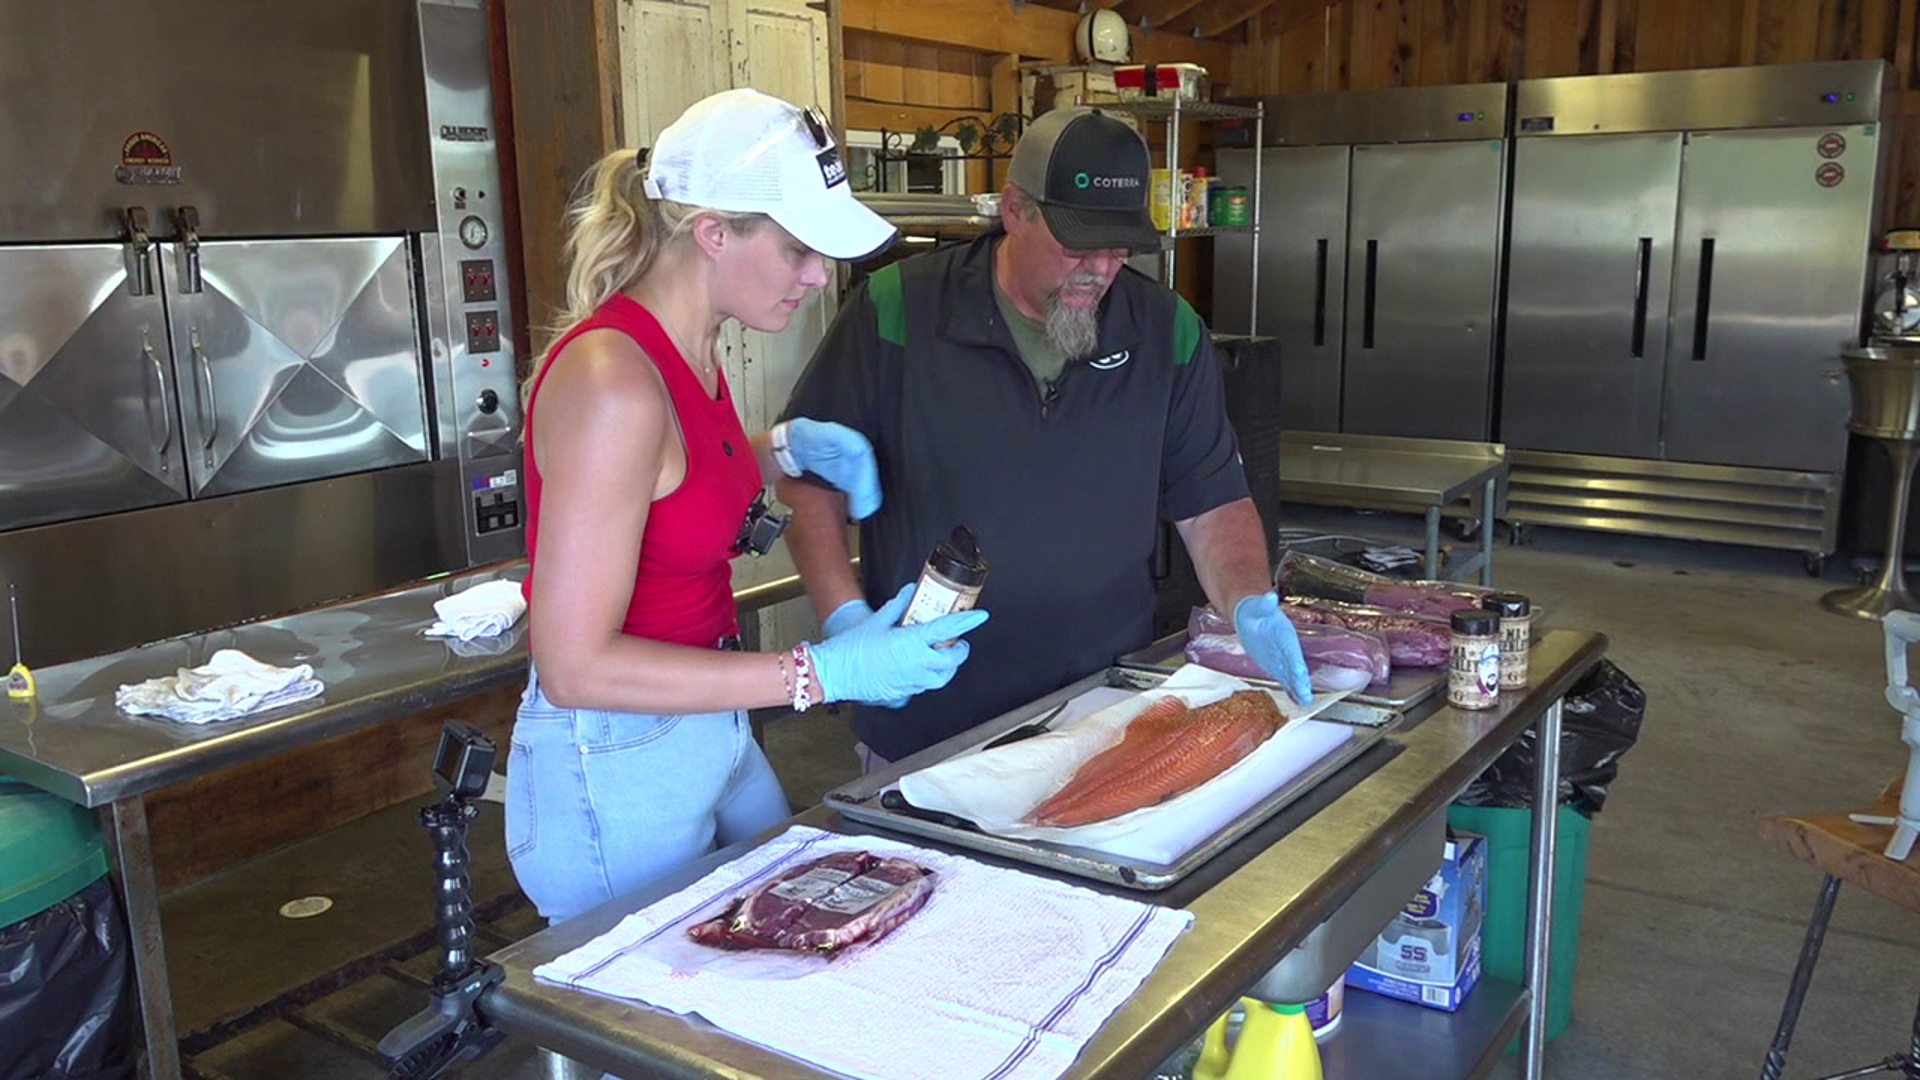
(601, 803)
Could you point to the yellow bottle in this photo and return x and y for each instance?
(1275, 1043)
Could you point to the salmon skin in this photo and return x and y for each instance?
(1167, 750)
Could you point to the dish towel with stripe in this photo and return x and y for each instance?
(1001, 976)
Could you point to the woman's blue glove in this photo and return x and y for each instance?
(846, 617)
(1269, 638)
(835, 453)
(878, 661)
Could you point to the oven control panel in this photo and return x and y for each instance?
(469, 288)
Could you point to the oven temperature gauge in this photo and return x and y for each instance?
(473, 231)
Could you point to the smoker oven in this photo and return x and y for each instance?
(255, 346)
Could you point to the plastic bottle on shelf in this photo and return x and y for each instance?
(1275, 1043)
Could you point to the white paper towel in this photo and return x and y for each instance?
(996, 788)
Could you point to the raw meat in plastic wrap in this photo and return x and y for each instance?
(1413, 641)
(1310, 575)
(1337, 659)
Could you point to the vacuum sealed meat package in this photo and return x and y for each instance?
(822, 906)
(1413, 641)
(1310, 575)
(1337, 658)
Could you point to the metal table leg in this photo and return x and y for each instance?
(1776, 1059)
(1546, 807)
(1486, 531)
(1433, 543)
(126, 823)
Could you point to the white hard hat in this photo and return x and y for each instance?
(1102, 36)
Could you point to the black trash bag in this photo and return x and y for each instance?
(1601, 721)
(66, 991)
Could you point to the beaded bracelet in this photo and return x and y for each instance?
(802, 670)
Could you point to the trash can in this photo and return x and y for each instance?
(65, 961)
(1503, 926)
(1600, 722)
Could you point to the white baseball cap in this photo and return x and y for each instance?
(748, 152)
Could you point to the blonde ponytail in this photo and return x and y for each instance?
(615, 233)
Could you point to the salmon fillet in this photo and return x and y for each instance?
(1174, 751)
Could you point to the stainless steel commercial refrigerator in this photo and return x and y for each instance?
(1690, 252)
(1379, 249)
(255, 346)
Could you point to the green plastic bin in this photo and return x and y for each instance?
(1503, 929)
(50, 849)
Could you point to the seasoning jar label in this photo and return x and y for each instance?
(1474, 677)
(1516, 637)
(935, 598)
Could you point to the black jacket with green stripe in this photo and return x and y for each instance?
(1064, 486)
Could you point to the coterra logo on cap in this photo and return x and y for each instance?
(1084, 180)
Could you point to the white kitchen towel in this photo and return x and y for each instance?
(484, 610)
(1001, 976)
(229, 685)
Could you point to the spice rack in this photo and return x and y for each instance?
(1173, 110)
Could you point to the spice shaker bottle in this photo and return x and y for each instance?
(1473, 670)
(1516, 636)
(951, 579)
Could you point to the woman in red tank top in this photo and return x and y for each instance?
(631, 752)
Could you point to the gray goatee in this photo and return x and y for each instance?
(1075, 331)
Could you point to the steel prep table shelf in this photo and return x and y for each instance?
(1252, 904)
(1382, 472)
(73, 742)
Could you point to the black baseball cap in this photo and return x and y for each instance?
(1091, 174)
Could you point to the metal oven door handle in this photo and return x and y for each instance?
(160, 385)
(211, 417)
(1642, 273)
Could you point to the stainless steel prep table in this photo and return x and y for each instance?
(1253, 904)
(72, 741)
(1382, 472)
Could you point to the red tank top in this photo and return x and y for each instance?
(683, 590)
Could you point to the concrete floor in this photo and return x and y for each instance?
(1759, 703)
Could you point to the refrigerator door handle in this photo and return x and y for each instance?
(1373, 266)
(1320, 294)
(1642, 273)
(1703, 302)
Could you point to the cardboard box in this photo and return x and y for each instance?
(1430, 953)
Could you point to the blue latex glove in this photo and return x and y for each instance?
(1269, 638)
(846, 617)
(880, 661)
(842, 457)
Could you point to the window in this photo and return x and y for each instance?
(941, 173)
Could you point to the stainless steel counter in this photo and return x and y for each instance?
(1256, 902)
(1381, 472)
(74, 742)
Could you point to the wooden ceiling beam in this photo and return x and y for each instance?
(1221, 16)
(1155, 13)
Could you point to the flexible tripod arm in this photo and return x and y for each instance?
(449, 1030)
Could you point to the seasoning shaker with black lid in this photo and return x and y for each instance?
(1473, 667)
(951, 579)
(1516, 636)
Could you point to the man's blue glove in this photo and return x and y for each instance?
(1269, 638)
(835, 453)
(879, 661)
(846, 617)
